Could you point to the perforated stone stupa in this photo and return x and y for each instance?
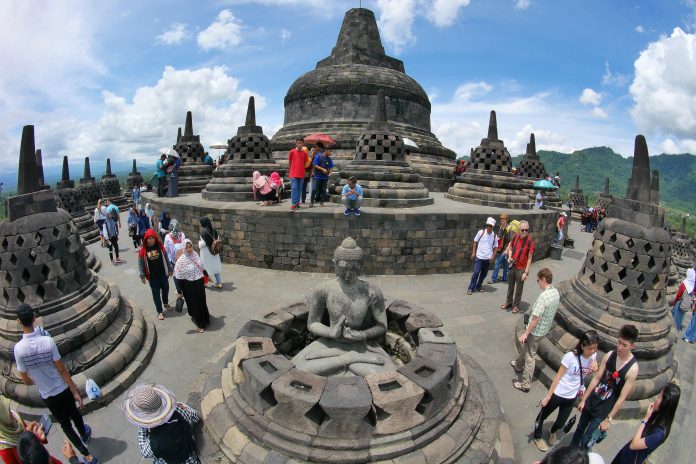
(337, 98)
(683, 257)
(488, 180)
(99, 334)
(68, 198)
(381, 169)
(88, 189)
(623, 281)
(248, 151)
(605, 198)
(194, 174)
(134, 178)
(531, 169)
(110, 187)
(577, 197)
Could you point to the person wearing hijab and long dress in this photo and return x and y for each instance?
(263, 189)
(11, 428)
(143, 225)
(155, 268)
(164, 224)
(174, 244)
(150, 213)
(211, 262)
(190, 272)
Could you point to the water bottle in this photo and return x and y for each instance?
(569, 426)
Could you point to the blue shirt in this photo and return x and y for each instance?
(322, 161)
(160, 169)
(35, 354)
(352, 196)
(208, 160)
(652, 441)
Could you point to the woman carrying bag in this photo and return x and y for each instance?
(209, 256)
(191, 275)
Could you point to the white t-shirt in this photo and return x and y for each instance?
(486, 244)
(569, 384)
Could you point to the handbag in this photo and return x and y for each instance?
(217, 247)
(179, 305)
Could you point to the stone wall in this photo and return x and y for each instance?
(423, 240)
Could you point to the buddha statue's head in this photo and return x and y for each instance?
(348, 260)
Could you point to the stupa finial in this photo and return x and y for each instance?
(88, 171)
(655, 188)
(135, 167)
(381, 107)
(108, 166)
(683, 227)
(28, 175)
(65, 176)
(532, 144)
(188, 129)
(251, 113)
(606, 186)
(39, 166)
(178, 136)
(493, 127)
(577, 183)
(639, 189)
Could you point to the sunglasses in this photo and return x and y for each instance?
(524, 230)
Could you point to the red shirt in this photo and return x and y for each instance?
(561, 222)
(297, 159)
(522, 249)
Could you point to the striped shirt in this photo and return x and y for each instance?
(545, 308)
(35, 354)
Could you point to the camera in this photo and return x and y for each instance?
(511, 263)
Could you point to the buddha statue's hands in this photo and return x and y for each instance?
(336, 331)
(353, 335)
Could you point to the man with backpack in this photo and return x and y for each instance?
(483, 253)
(519, 255)
(323, 164)
(503, 234)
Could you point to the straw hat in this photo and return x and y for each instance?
(149, 406)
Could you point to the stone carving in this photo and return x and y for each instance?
(42, 263)
(88, 189)
(194, 174)
(381, 169)
(110, 187)
(577, 198)
(246, 152)
(134, 178)
(70, 200)
(488, 180)
(623, 281)
(337, 98)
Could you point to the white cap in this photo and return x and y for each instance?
(490, 221)
(563, 214)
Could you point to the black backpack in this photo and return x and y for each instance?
(173, 441)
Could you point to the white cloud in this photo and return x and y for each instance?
(395, 22)
(590, 97)
(470, 90)
(285, 35)
(610, 78)
(681, 146)
(690, 20)
(176, 33)
(639, 29)
(599, 113)
(664, 88)
(522, 4)
(225, 32)
(444, 13)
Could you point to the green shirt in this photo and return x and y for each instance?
(545, 308)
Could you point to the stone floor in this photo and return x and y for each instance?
(480, 328)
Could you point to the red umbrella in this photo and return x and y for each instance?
(323, 138)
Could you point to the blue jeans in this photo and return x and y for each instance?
(160, 285)
(319, 190)
(585, 428)
(296, 190)
(480, 270)
(678, 315)
(690, 333)
(218, 278)
(500, 260)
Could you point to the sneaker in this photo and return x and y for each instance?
(491, 281)
(541, 444)
(356, 212)
(88, 434)
(94, 461)
(293, 208)
(346, 212)
(553, 440)
(219, 285)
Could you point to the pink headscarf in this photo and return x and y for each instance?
(261, 183)
(276, 180)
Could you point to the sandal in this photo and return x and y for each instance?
(200, 331)
(505, 306)
(518, 385)
(515, 310)
(160, 316)
(168, 307)
(469, 292)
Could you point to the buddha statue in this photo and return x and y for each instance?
(357, 322)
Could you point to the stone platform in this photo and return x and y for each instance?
(433, 239)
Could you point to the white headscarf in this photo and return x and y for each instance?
(188, 266)
(690, 280)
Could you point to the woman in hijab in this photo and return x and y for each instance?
(155, 268)
(143, 225)
(150, 212)
(133, 217)
(110, 231)
(277, 185)
(211, 262)
(174, 244)
(190, 272)
(164, 224)
(263, 189)
(11, 428)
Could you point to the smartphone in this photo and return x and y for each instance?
(45, 423)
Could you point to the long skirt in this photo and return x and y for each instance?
(194, 295)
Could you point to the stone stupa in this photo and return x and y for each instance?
(110, 188)
(577, 197)
(488, 180)
(134, 178)
(39, 164)
(605, 198)
(88, 189)
(622, 281)
(683, 257)
(99, 334)
(194, 174)
(381, 169)
(248, 151)
(338, 96)
(69, 199)
(532, 169)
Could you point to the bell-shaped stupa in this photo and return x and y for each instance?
(577, 197)
(605, 198)
(338, 96)
(683, 257)
(246, 152)
(69, 199)
(623, 281)
(99, 334)
(134, 178)
(532, 169)
(88, 188)
(489, 180)
(110, 187)
(380, 167)
(194, 174)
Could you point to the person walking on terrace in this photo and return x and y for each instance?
(296, 171)
(155, 269)
(483, 254)
(504, 235)
(519, 255)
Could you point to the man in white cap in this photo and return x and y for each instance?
(483, 253)
(560, 226)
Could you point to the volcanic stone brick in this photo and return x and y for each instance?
(194, 174)
(277, 318)
(395, 398)
(110, 188)
(256, 329)
(420, 319)
(432, 378)
(433, 335)
(346, 401)
(259, 374)
(247, 348)
(298, 393)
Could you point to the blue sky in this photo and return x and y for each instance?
(117, 77)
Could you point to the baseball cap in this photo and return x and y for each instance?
(563, 214)
(490, 221)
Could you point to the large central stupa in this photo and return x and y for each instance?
(339, 96)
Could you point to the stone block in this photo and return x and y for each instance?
(248, 348)
(433, 335)
(297, 394)
(421, 319)
(434, 379)
(347, 403)
(256, 329)
(259, 374)
(276, 318)
(395, 399)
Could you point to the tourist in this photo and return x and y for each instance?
(209, 256)
(143, 225)
(483, 254)
(112, 208)
(542, 314)
(570, 455)
(560, 227)
(30, 449)
(133, 218)
(110, 230)
(173, 165)
(99, 217)
(136, 196)
(191, 274)
(308, 173)
(557, 180)
(12, 427)
(323, 164)
(39, 363)
(161, 174)
(262, 189)
(567, 385)
(684, 299)
(150, 213)
(519, 254)
(174, 245)
(277, 185)
(609, 388)
(352, 197)
(296, 171)
(503, 234)
(209, 160)
(163, 228)
(687, 301)
(653, 429)
(165, 427)
(155, 267)
(460, 168)
(538, 200)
